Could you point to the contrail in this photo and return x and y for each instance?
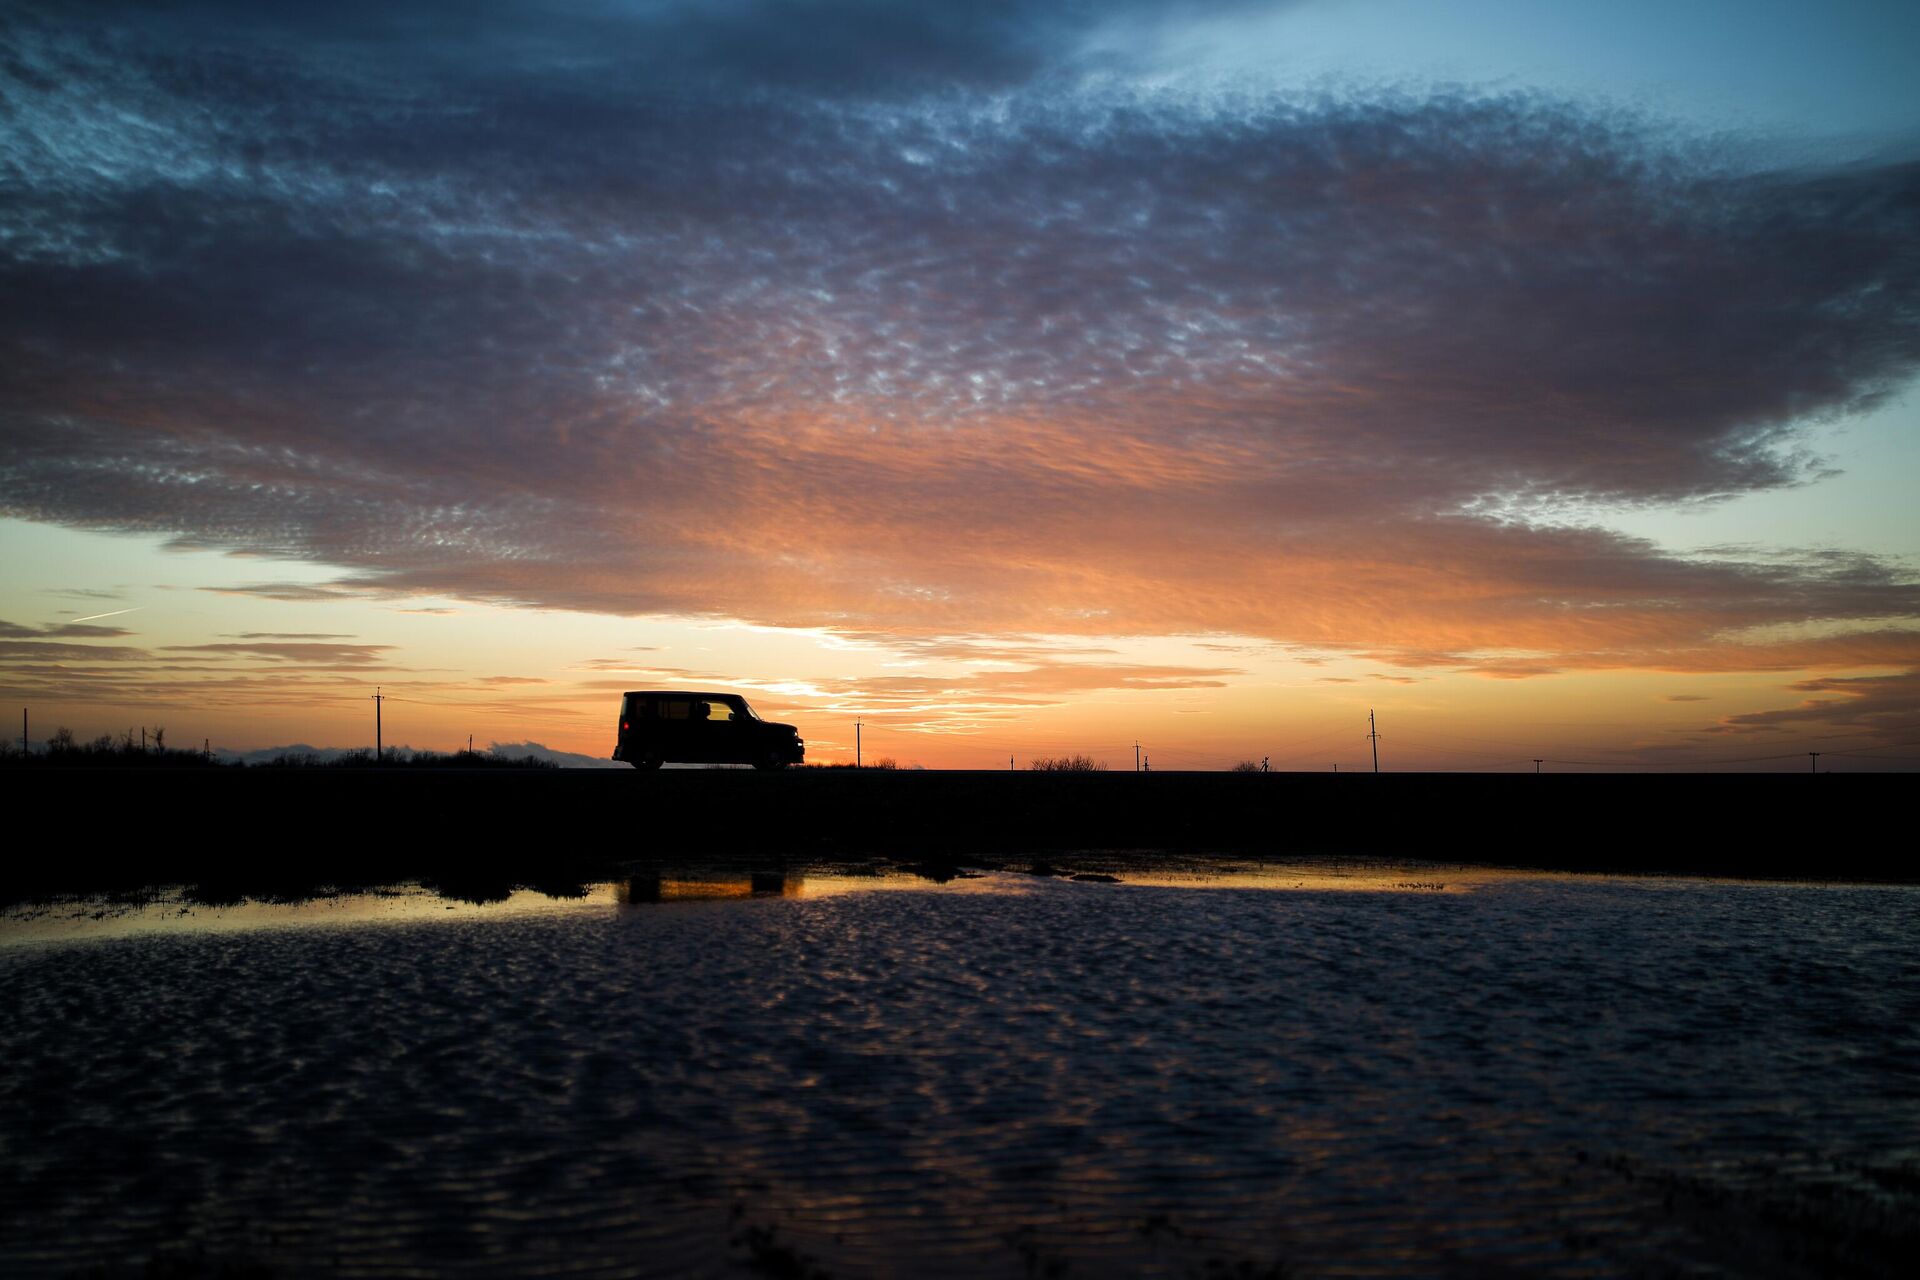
(116, 613)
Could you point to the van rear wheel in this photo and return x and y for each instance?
(770, 761)
(651, 760)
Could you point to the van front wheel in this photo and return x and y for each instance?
(651, 760)
(770, 761)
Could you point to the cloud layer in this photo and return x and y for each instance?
(920, 321)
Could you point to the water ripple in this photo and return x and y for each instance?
(1552, 1076)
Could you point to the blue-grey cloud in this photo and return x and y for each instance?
(833, 48)
(303, 653)
(664, 308)
(60, 631)
(1886, 707)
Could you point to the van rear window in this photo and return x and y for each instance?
(658, 708)
(679, 709)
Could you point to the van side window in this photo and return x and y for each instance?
(672, 708)
(718, 711)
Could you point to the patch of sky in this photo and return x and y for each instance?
(1864, 503)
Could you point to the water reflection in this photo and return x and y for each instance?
(651, 887)
(862, 1071)
(236, 906)
(185, 910)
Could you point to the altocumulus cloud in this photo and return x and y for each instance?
(919, 320)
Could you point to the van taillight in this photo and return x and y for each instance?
(624, 726)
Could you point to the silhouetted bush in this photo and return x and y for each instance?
(1067, 764)
(296, 760)
(406, 758)
(65, 751)
(1247, 766)
(488, 760)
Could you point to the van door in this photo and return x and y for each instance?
(667, 728)
(719, 731)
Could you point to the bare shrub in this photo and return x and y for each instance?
(1067, 764)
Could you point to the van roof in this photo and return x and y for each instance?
(678, 693)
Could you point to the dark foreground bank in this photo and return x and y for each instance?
(111, 828)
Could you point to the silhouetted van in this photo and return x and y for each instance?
(658, 725)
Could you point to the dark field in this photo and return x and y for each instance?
(257, 828)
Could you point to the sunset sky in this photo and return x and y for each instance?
(1012, 377)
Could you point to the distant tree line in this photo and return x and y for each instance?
(141, 747)
(148, 749)
(405, 758)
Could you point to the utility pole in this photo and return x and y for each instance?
(206, 749)
(378, 749)
(1537, 762)
(1815, 757)
(1376, 740)
(856, 744)
(1136, 755)
(1147, 766)
(1010, 768)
